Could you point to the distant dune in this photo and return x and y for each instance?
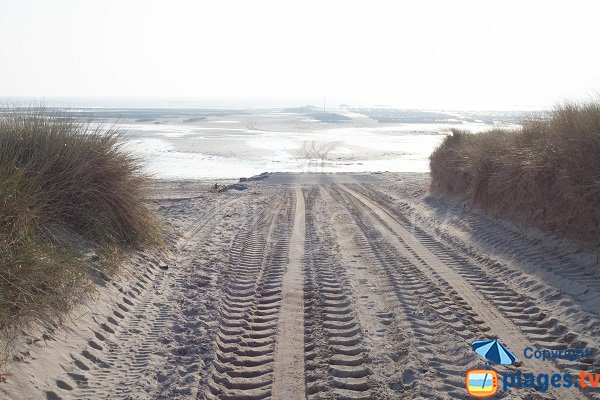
(330, 117)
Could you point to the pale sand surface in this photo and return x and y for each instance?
(360, 286)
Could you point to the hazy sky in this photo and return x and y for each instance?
(450, 54)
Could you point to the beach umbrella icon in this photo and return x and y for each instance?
(493, 351)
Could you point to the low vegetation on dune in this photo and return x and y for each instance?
(71, 202)
(547, 172)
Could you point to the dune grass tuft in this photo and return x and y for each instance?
(547, 172)
(67, 190)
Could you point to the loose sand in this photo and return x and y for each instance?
(359, 286)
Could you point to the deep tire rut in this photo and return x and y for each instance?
(436, 265)
(488, 276)
(336, 357)
(243, 361)
(433, 313)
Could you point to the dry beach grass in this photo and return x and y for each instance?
(67, 190)
(547, 172)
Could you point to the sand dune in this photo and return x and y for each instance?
(319, 286)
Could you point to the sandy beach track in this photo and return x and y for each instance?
(469, 303)
(320, 286)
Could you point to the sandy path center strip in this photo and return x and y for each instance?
(288, 370)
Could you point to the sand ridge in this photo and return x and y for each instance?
(288, 367)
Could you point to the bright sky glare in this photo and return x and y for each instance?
(413, 53)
